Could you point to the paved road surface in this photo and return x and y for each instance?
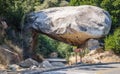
(113, 68)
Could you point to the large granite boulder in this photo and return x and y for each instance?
(73, 24)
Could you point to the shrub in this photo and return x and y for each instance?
(112, 42)
(48, 45)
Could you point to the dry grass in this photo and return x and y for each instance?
(15, 49)
(97, 57)
(9, 53)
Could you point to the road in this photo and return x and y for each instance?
(109, 68)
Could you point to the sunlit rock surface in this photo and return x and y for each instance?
(73, 24)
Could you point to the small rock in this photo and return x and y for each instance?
(33, 67)
(28, 63)
(46, 64)
(92, 44)
(13, 67)
(58, 64)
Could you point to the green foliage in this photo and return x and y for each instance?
(52, 3)
(74, 2)
(64, 49)
(85, 2)
(47, 45)
(112, 42)
(113, 7)
(14, 10)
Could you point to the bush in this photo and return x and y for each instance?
(48, 45)
(112, 42)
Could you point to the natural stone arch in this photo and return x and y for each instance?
(73, 24)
